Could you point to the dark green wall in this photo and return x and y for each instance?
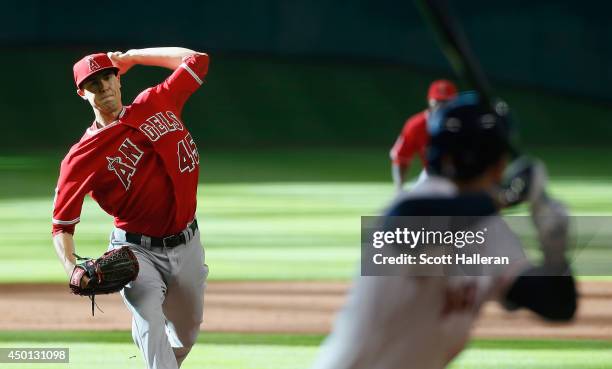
(559, 45)
(261, 102)
(316, 72)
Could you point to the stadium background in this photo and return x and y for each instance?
(300, 107)
(301, 73)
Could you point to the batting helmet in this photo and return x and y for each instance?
(441, 90)
(466, 137)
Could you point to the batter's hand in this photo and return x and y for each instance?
(121, 60)
(524, 180)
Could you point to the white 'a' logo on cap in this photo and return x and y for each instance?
(93, 64)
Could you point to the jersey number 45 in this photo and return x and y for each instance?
(187, 152)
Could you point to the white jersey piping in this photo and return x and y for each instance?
(193, 74)
(66, 222)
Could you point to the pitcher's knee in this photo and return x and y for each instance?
(188, 333)
(189, 337)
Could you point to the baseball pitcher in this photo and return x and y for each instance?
(414, 137)
(140, 164)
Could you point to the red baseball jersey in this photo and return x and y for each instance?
(412, 141)
(143, 168)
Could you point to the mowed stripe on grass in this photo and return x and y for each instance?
(255, 351)
(251, 231)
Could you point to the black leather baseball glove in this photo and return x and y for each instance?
(107, 274)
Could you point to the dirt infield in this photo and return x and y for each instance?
(289, 307)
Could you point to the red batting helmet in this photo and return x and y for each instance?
(441, 89)
(89, 65)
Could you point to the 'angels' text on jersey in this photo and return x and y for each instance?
(161, 123)
(124, 163)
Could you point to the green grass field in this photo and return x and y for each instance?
(271, 351)
(295, 214)
(288, 215)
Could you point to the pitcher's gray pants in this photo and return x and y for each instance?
(166, 299)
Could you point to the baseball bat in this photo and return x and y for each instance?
(456, 48)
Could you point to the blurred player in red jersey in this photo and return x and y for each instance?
(140, 164)
(414, 138)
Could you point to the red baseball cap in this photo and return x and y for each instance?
(90, 65)
(442, 89)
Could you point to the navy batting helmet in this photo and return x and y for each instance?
(466, 137)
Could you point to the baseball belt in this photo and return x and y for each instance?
(169, 241)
